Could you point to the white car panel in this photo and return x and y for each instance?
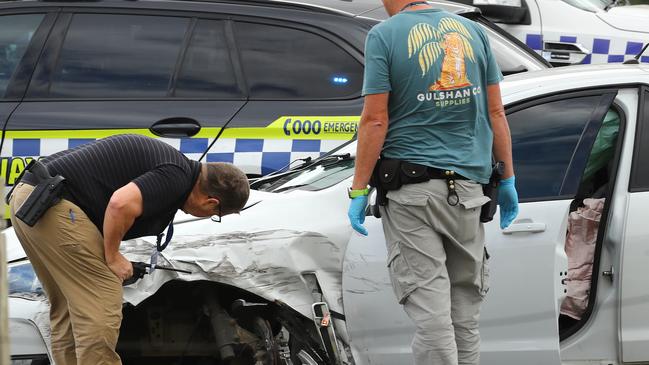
(269, 247)
(631, 18)
(28, 326)
(633, 274)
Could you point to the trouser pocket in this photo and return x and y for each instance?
(484, 273)
(402, 277)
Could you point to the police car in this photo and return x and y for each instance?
(289, 279)
(257, 83)
(575, 31)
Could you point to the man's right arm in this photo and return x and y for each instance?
(124, 207)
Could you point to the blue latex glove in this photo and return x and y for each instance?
(356, 214)
(508, 201)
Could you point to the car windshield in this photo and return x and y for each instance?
(326, 172)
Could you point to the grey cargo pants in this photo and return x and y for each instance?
(438, 267)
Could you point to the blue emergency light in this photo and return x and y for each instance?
(341, 80)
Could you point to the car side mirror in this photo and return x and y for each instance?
(505, 14)
(503, 11)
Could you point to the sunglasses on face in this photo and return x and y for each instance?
(218, 213)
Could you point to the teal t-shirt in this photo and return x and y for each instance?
(436, 67)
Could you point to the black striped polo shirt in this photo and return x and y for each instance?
(94, 171)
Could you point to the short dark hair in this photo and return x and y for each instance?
(227, 183)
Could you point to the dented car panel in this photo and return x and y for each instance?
(267, 263)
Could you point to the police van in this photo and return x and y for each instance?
(257, 83)
(569, 32)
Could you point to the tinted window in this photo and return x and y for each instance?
(207, 70)
(640, 173)
(15, 33)
(544, 138)
(117, 56)
(286, 63)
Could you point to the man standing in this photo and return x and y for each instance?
(116, 188)
(433, 77)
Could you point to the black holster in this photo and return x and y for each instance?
(47, 192)
(491, 190)
(385, 177)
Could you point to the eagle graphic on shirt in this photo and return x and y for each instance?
(452, 40)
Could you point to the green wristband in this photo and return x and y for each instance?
(359, 192)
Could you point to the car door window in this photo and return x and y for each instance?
(118, 56)
(207, 70)
(286, 63)
(16, 32)
(545, 138)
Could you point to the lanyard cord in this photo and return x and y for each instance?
(414, 3)
(170, 232)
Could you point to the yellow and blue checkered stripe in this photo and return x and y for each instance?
(256, 150)
(602, 50)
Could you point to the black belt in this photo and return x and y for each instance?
(449, 175)
(30, 179)
(391, 174)
(434, 173)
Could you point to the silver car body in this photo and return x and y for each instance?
(283, 239)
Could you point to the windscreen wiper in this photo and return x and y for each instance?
(330, 159)
(324, 160)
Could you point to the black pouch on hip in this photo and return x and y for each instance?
(412, 173)
(46, 193)
(385, 177)
(490, 190)
(389, 174)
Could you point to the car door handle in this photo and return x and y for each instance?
(525, 227)
(177, 127)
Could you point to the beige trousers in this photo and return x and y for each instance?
(437, 264)
(67, 252)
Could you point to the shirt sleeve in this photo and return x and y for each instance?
(162, 188)
(494, 75)
(376, 79)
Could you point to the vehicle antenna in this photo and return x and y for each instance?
(636, 60)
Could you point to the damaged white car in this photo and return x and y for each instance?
(288, 282)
